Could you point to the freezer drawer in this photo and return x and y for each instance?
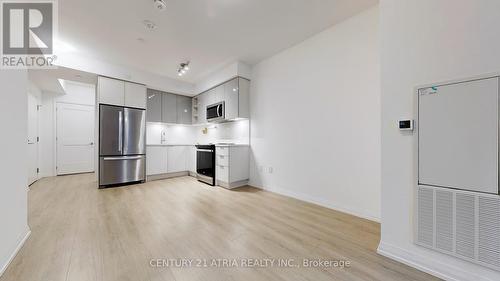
(121, 169)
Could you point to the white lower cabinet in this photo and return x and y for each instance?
(222, 174)
(164, 160)
(192, 159)
(177, 159)
(232, 166)
(156, 160)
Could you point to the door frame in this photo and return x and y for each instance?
(37, 143)
(54, 137)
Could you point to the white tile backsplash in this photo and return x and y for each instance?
(234, 132)
(154, 131)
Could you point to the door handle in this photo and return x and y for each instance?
(92, 143)
(122, 158)
(120, 131)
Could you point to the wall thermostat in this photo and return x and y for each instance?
(406, 125)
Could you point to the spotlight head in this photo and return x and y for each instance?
(160, 4)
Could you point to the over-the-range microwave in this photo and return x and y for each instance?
(215, 112)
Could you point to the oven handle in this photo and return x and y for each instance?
(205, 150)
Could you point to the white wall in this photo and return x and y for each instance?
(13, 167)
(315, 119)
(426, 41)
(34, 90)
(76, 93)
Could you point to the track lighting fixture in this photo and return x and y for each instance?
(183, 68)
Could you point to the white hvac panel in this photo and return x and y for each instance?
(458, 135)
(463, 224)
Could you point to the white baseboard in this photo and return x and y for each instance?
(321, 202)
(19, 246)
(166, 176)
(432, 266)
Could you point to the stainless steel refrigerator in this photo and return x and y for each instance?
(122, 145)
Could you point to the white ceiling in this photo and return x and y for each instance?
(48, 79)
(210, 33)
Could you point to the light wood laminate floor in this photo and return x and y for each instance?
(82, 233)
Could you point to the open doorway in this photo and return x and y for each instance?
(66, 122)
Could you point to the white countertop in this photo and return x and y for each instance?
(187, 144)
(229, 145)
(171, 144)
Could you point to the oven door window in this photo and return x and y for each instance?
(212, 112)
(205, 163)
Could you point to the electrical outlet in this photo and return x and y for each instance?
(270, 170)
(261, 168)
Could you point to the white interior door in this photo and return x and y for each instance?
(32, 139)
(75, 138)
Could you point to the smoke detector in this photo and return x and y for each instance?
(160, 4)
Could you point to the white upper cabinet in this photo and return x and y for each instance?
(184, 108)
(118, 92)
(202, 108)
(231, 98)
(154, 106)
(219, 94)
(211, 97)
(243, 98)
(169, 108)
(111, 91)
(235, 95)
(135, 95)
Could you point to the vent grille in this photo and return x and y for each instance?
(466, 223)
(489, 231)
(461, 223)
(444, 220)
(426, 216)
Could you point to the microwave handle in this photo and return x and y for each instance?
(219, 110)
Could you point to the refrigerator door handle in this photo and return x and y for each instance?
(120, 131)
(122, 158)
